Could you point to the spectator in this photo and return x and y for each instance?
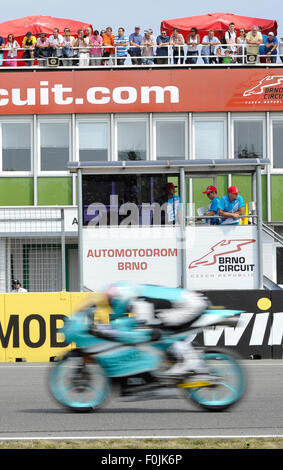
(177, 41)
(253, 39)
(280, 48)
(88, 32)
(108, 40)
(241, 46)
(56, 44)
(12, 45)
(135, 40)
(193, 40)
(213, 207)
(262, 46)
(174, 205)
(121, 42)
(150, 30)
(226, 57)
(29, 43)
(96, 52)
(162, 49)
(2, 45)
(230, 38)
(16, 287)
(208, 48)
(82, 43)
(42, 49)
(67, 50)
(271, 45)
(231, 206)
(148, 44)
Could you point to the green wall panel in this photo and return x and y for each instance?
(54, 191)
(16, 191)
(277, 197)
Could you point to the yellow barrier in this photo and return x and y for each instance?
(29, 324)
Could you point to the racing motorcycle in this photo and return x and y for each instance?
(87, 375)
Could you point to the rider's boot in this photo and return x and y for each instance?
(189, 360)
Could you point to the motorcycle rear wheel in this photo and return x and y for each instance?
(78, 387)
(228, 381)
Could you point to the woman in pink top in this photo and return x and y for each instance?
(96, 52)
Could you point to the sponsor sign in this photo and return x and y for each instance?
(221, 257)
(118, 91)
(30, 324)
(137, 254)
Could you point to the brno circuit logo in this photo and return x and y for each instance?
(220, 249)
(272, 84)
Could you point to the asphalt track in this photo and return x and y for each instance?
(27, 411)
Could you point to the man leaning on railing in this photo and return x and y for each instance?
(208, 51)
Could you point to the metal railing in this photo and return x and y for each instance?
(272, 233)
(177, 55)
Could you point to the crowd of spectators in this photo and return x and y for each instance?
(96, 48)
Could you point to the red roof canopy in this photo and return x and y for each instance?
(38, 24)
(218, 22)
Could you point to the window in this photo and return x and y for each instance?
(277, 144)
(16, 146)
(209, 138)
(54, 146)
(93, 141)
(248, 138)
(132, 139)
(112, 199)
(170, 139)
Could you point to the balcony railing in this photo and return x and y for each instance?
(179, 56)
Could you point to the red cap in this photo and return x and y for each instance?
(171, 186)
(233, 189)
(210, 189)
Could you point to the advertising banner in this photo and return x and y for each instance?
(221, 257)
(30, 323)
(118, 91)
(137, 254)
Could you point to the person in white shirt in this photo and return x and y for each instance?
(67, 50)
(17, 289)
(82, 42)
(230, 37)
(56, 43)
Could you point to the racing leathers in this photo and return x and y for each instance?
(157, 307)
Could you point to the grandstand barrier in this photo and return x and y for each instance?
(30, 324)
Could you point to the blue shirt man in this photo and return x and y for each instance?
(136, 38)
(270, 46)
(174, 205)
(232, 207)
(163, 38)
(123, 39)
(212, 209)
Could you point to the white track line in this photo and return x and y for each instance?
(91, 438)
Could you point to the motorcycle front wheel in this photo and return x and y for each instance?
(77, 386)
(227, 382)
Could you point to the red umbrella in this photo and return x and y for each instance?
(218, 22)
(39, 24)
(36, 25)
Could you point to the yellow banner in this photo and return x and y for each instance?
(30, 324)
